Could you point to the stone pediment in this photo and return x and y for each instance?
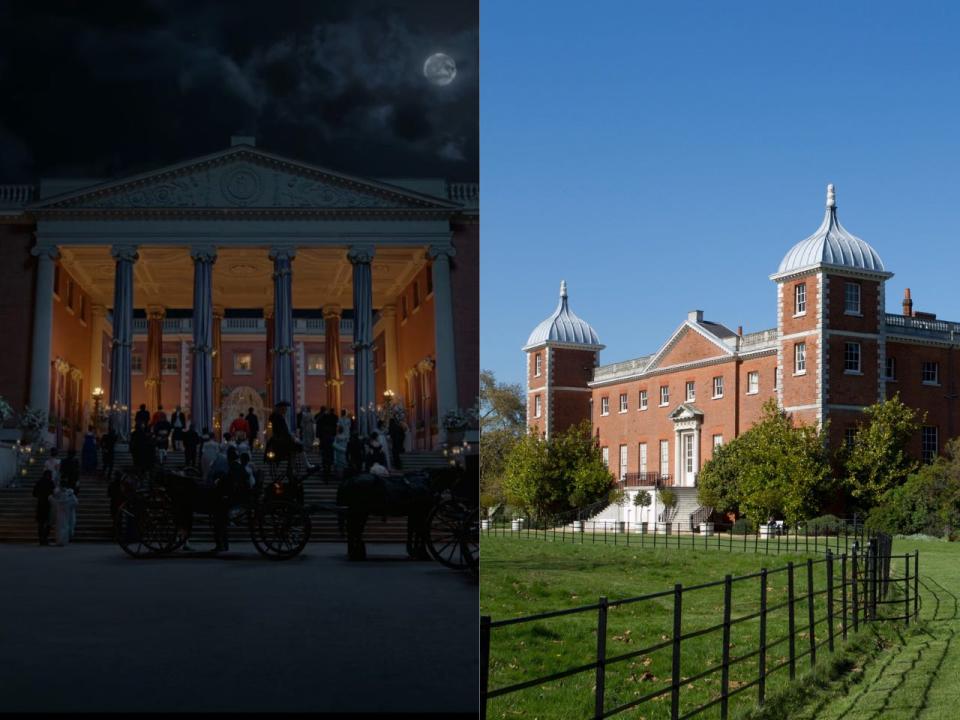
(244, 178)
(685, 412)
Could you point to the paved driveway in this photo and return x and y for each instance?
(84, 628)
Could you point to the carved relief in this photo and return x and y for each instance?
(189, 191)
(293, 191)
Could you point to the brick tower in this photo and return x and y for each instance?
(561, 354)
(831, 328)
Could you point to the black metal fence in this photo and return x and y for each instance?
(856, 589)
(803, 537)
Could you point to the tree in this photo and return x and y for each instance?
(501, 427)
(878, 460)
(545, 477)
(773, 469)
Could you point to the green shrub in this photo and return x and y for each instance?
(667, 497)
(744, 525)
(824, 525)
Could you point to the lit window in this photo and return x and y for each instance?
(136, 363)
(691, 390)
(604, 406)
(800, 358)
(851, 298)
(891, 368)
(717, 441)
(643, 457)
(643, 399)
(718, 387)
(536, 406)
(243, 363)
(170, 364)
(800, 298)
(929, 446)
(416, 294)
(315, 364)
(351, 363)
(623, 402)
(664, 395)
(753, 382)
(606, 456)
(538, 364)
(931, 373)
(851, 357)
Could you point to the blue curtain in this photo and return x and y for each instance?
(365, 402)
(201, 396)
(283, 330)
(120, 382)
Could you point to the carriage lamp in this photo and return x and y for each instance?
(98, 392)
(271, 455)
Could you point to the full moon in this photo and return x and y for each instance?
(440, 69)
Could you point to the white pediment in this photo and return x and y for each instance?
(686, 412)
(244, 177)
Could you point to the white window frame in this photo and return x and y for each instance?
(664, 395)
(237, 370)
(643, 399)
(664, 457)
(136, 364)
(605, 405)
(605, 454)
(799, 299)
(718, 387)
(851, 352)
(936, 372)
(623, 402)
(175, 370)
(642, 457)
(537, 365)
(349, 364)
(800, 358)
(849, 297)
(624, 459)
(717, 441)
(537, 406)
(323, 364)
(753, 382)
(691, 393)
(926, 454)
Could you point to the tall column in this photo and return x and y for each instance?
(360, 256)
(201, 395)
(270, 328)
(42, 328)
(154, 372)
(389, 315)
(98, 317)
(446, 370)
(217, 362)
(333, 372)
(283, 329)
(120, 382)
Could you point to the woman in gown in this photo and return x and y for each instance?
(88, 455)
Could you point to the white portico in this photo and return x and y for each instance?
(246, 228)
(687, 420)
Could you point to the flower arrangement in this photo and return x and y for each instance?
(391, 410)
(455, 420)
(6, 411)
(32, 419)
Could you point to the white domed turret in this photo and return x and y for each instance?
(831, 246)
(563, 327)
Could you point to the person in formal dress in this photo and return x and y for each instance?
(42, 490)
(191, 441)
(70, 471)
(53, 465)
(344, 422)
(381, 435)
(142, 418)
(64, 505)
(397, 438)
(178, 422)
(88, 454)
(239, 427)
(209, 450)
(355, 454)
(340, 451)
(142, 450)
(161, 433)
(107, 442)
(307, 428)
(327, 430)
(282, 443)
(157, 416)
(253, 423)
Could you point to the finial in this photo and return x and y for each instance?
(563, 288)
(831, 196)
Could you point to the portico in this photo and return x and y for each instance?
(246, 230)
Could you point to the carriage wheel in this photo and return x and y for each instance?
(146, 524)
(280, 529)
(445, 532)
(470, 542)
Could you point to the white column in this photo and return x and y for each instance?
(446, 366)
(389, 315)
(42, 328)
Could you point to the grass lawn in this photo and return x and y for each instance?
(525, 577)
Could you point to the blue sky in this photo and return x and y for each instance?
(663, 157)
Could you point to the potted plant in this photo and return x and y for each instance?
(706, 528)
(641, 500)
(8, 425)
(32, 422)
(455, 424)
(667, 498)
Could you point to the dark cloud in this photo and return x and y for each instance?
(108, 88)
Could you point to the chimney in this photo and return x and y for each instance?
(695, 316)
(740, 330)
(907, 303)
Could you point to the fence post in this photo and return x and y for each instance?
(874, 577)
(791, 622)
(916, 585)
(601, 656)
(677, 616)
(854, 584)
(813, 642)
(906, 588)
(484, 663)
(843, 592)
(762, 686)
(830, 598)
(725, 671)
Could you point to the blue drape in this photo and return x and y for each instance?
(120, 381)
(283, 330)
(364, 400)
(201, 396)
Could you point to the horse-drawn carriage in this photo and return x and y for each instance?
(157, 514)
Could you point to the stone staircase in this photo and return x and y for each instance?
(687, 505)
(94, 524)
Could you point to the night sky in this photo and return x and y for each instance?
(105, 89)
